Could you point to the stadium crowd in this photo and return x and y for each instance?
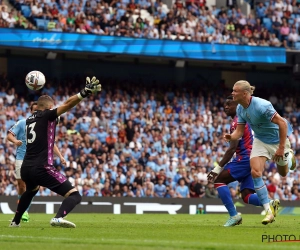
(274, 23)
(140, 142)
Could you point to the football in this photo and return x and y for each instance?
(35, 80)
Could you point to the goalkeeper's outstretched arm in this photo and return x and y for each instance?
(91, 87)
(70, 103)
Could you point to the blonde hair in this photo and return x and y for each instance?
(44, 102)
(245, 86)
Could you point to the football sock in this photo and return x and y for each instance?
(253, 200)
(68, 204)
(261, 191)
(19, 196)
(24, 202)
(29, 206)
(225, 196)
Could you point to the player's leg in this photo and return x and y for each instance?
(220, 184)
(26, 198)
(248, 191)
(24, 202)
(260, 153)
(72, 198)
(257, 167)
(21, 183)
(21, 188)
(250, 197)
(51, 178)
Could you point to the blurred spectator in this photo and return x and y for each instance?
(160, 188)
(182, 190)
(210, 191)
(185, 20)
(200, 209)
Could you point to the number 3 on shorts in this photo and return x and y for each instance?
(33, 134)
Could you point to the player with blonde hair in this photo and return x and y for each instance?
(271, 141)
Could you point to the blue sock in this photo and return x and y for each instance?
(29, 206)
(225, 196)
(261, 190)
(253, 200)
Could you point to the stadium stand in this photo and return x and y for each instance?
(125, 141)
(184, 20)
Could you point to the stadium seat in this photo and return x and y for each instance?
(26, 11)
(41, 24)
(297, 45)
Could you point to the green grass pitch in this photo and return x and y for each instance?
(147, 232)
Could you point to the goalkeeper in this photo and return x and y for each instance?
(237, 170)
(37, 167)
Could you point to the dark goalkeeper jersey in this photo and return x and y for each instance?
(40, 133)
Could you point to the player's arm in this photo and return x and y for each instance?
(91, 87)
(277, 119)
(226, 158)
(237, 134)
(57, 152)
(13, 139)
(229, 153)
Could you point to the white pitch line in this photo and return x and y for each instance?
(274, 246)
(32, 237)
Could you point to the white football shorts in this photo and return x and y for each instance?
(260, 148)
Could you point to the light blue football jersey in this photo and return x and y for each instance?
(18, 130)
(258, 115)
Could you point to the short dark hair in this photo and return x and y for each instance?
(44, 101)
(32, 105)
(230, 97)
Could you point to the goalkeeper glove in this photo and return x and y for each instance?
(92, 86)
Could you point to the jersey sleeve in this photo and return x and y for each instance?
(52, 114)
(15, 129)
(240, 119)
(267, 111)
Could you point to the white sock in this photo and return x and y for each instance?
(267, 206)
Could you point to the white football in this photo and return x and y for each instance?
(35, 80)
